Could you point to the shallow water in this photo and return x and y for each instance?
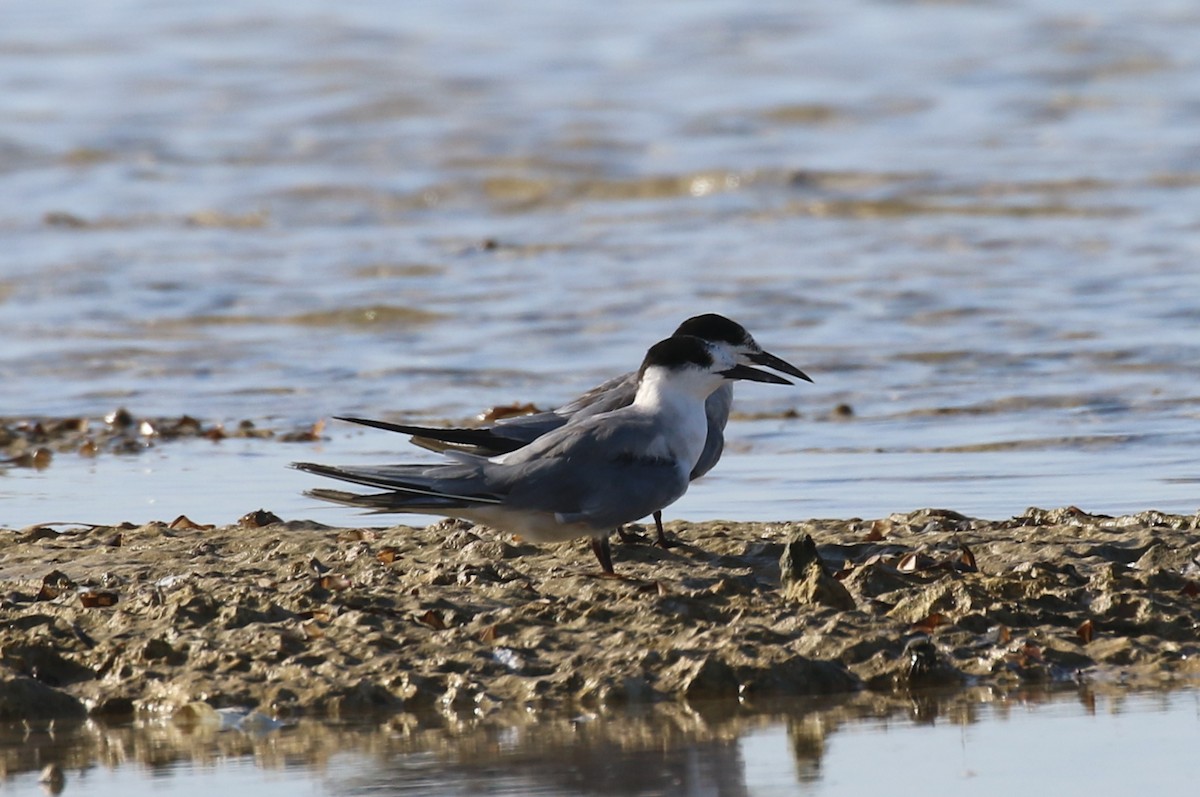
(978, 743)
(979, 237)
(219, 482)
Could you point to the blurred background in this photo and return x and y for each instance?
(973, 223)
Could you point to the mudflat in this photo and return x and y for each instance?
(294, 618)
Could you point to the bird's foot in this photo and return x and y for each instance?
(603, 552)
(613, 577)
(661, 540)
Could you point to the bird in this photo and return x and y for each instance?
(583, 479)
(509, 434)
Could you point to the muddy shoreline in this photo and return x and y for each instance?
(35, 442)
(296, 619)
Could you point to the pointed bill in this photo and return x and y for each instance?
(768, 360)
(754, 375)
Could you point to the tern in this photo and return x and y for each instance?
(509, 434)
(583, 479)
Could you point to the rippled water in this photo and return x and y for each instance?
(973, 223)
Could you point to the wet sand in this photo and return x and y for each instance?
(291, 618)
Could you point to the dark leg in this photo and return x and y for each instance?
(662, 541)
(603, 552)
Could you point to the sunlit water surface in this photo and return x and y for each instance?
(972, 223)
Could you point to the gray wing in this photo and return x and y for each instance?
(607, 396)
(594, 471)
(509, 434)
(717, 409)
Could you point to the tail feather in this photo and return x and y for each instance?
(385, 502)
(441, 446)
(409, 481)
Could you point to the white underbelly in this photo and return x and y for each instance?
(529, 526)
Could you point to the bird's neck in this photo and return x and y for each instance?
(682, 402)
(658, 389)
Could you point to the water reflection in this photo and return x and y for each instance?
(669, 749)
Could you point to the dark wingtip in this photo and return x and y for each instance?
(318, 469)
(483, 438)
(384, 425)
